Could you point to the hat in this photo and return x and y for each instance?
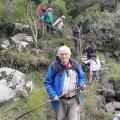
(50, 9)
(63, 17)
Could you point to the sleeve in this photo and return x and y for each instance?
(56, 22)
(48, 83)
(99, 64)
(45, 16)
(87, 61)
(81, 76)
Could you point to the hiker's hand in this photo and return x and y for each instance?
(56, 98)
(83, 87)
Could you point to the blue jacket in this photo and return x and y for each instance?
(55, 76)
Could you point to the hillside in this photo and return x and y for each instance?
(100, 23)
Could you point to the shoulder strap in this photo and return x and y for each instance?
(74, 65)
(45, 15)
(57, 68)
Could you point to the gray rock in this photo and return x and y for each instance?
(110, 107)
(109, 92)
(117, 105)
(13, 84)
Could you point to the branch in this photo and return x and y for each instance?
(78, 88)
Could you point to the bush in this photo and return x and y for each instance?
(59, 8)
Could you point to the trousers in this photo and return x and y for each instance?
(94, 74)
(68, 110)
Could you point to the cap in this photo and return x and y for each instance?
(50, 9)
(63, 17)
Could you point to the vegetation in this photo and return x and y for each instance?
(13, 11)
(114, 68)
(49, 45)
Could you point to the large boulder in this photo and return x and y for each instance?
(22, 28)
(109, 5)
(109, 92)
(22, 41)
(13, 84)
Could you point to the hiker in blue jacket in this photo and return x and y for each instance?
(65, 75)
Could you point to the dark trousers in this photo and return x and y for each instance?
(49, 27)
(60, 32)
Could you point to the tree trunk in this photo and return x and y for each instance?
(31, 18)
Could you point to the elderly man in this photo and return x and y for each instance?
(65, 75)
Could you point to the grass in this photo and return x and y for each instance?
(27, 56)
(89, 106)
(1, 5)
(37, 98)
(114, 68)
(37, 78)
(90, 100)
(112, 64)
(19, 13)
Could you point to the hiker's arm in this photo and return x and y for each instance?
(99, 63)
(81, 76)
(56, 22)
(48, 82)
(87, 61)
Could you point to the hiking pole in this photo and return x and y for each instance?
(46, 103)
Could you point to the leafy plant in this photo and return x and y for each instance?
(114, 68)
(36, 99)
(59, 8)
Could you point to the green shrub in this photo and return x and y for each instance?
(59, 8)
(114, 68)
(88, 14)
(19, 14)
(1, 5)
(13, 11)
(36, 99)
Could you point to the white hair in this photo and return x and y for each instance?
(64, 48)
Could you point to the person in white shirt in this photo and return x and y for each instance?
(95, 66)
(58, 25)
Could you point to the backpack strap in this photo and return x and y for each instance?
(59, 68)
(46, 14)
(56, 68)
